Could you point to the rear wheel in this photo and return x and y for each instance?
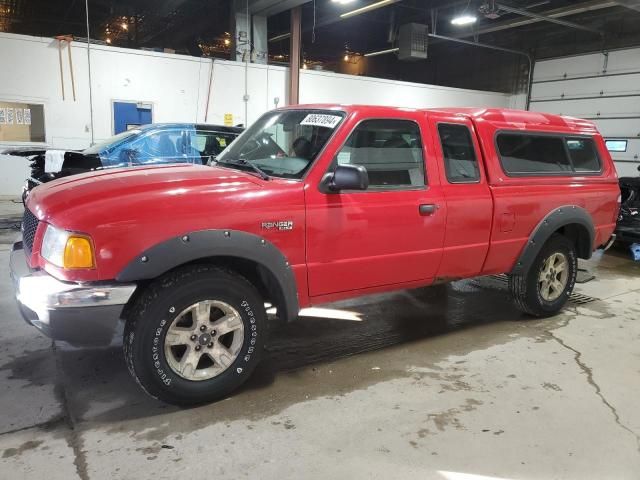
(544, 289)
(195, 335)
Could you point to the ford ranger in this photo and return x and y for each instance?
(311, 204)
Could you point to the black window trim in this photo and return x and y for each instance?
(562, 135)
(471, 134)
(334, 161)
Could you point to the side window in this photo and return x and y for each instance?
(460, 162)
(211, 144)
(532, 154)
(390, 150)
(165, 146)
(584, 155)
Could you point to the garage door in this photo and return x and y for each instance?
(603, 87)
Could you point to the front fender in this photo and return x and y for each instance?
(202, 244)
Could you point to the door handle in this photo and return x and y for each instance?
(427, 209)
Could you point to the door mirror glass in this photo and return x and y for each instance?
(345, 177)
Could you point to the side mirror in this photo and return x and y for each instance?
(211, 161)
(345, 177)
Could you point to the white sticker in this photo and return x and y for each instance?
(19, 116)
(9, 116)
(27, 116)
(321, 120)
(3, 116)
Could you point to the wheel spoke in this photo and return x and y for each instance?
(558, 286)
(221, 355)
(189, 362)
(203, 311)
(228, 323)
(178, 336)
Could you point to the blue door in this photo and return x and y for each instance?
(128, 115)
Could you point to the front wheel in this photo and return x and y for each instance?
(545, 288)
(195, 335)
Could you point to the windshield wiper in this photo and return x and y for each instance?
(243, 162)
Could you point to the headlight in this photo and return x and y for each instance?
(67, 249)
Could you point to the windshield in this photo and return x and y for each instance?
(111, 141)
(283, 143)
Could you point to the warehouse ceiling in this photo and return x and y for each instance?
(335, 39)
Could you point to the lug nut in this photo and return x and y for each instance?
(193, 337)
(210, 345)
(203, 328)
(198, 348)
(213, 333)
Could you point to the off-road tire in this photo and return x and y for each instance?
(157, 307)
(525, 288)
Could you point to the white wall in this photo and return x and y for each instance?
(177, 86)
(327, 87)
(603, 88)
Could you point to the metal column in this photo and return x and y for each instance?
(294, 56)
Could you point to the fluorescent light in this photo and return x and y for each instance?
(464, 20)
(342, 2)
(381, 52)
(367, 8)
(280, 37)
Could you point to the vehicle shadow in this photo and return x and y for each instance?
(98, 387)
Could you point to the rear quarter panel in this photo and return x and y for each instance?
(521, 203)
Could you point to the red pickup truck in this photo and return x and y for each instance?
(311, 204)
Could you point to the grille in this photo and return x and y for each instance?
(29, 227)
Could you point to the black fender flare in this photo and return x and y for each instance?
(558, 218)
(202, 244)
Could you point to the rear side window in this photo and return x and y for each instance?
(460, 163)
(584, 155)
(525, 154)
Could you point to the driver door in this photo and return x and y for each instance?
(388, 235)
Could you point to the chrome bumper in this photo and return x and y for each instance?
(81, 314)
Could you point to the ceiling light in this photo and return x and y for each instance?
(108, 40)
(464, 20)
(381, 52)
(280, 37)
(227, 41)
(346, 58)
(342, 2)
(125, 26)
(368, 8)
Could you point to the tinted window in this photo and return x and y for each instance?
(390, 150)
(211, 144)
(584, 156)
(460, 163)
(524, 154)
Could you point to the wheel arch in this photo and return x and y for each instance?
(249, 255)
(572, 221)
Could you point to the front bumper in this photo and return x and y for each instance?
(81, 314)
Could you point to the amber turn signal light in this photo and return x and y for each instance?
(78, 253)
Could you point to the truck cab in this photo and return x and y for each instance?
(311, 204)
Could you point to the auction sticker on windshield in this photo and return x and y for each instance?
(321, 120)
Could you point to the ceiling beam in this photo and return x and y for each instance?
(631, 4)
(556, 13)
(545, 18)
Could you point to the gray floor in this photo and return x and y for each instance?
(449, 384)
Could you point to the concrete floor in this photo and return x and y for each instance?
(446, 383)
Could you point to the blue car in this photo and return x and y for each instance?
(146, 145)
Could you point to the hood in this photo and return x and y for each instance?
(98, 194)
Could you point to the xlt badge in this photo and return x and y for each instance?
(279, 225)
